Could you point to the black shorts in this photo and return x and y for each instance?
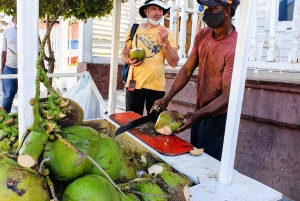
(136, 100)
(209, 134)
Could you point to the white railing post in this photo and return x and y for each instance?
(237, 18)
(271, 53)
(85, 37)
(28, 16)
(114, 56)
(182, 34)
(236, 92)
(176, 10)
(172, 15)
(63, 38)
(195, 24)
(132, 12)
(253, 48)
(294, 53)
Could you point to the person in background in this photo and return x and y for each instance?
(146, 79)
(9, 65)
(213, 53)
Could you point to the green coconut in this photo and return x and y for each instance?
(91, 188)
(109, 157)
(19, 184)
(129, 197)
(168, 122)
(137, 53)
(187, 180)
(138, 164)
(128, 171)
(172, 179)
(127, 153)
(5, 145)
(150, 192)
(174, 184)
(65, 163)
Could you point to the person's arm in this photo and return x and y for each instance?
(212, 108)
(3, 60)
(171, 53)
(125, 58)
(124, 55)
(180, 81)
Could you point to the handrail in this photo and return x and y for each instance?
(103, 105)
(10, 76)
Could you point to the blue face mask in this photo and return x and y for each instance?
(213, 20)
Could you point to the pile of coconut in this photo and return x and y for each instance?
(92, 167)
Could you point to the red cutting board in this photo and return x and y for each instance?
(170, 145)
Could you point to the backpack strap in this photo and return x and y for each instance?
(133, 30)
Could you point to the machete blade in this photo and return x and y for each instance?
(132, 124)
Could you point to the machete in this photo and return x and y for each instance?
(132, 124)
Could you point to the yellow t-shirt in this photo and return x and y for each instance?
(151, 74)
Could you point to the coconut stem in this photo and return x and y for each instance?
(41, 75)
(51, 186)
(68, 144)
(128, 185)
(41, 171)
(32, 148)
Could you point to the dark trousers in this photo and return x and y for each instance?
(136, 100)
(9, 88)
(209, 134)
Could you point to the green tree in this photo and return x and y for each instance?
(78, 9)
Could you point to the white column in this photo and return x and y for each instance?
(63, 37)
(237, 18)
(63, 55)
(172, 15)
(253, 47)
(182, 34)
(28, 16)
(271, 53)
(132, 12)
(237, 91)
(195, 24)
(114, 57)
(294, 54)
(85, 38)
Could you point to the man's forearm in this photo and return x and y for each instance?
(171, 55)
(3, 60)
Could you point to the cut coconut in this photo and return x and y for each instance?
(168, 122)
(137, 53)
(197, 152)
(147, 159)
(158, 168)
